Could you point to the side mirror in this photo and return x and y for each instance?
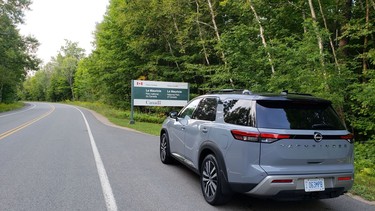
(173, 114)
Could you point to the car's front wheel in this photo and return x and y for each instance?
(165, 154)
(211, 181)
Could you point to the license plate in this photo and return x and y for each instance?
(312, 185)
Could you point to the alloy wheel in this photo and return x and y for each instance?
(209, 178)
(163, 148)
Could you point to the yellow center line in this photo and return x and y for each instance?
(16, 129)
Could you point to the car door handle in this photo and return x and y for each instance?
(204, 130)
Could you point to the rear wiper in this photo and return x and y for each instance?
(322, 126)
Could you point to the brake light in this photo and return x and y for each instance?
(348, 137)
(245, 136)
(274, 136)
(344, 178)
(256, 137)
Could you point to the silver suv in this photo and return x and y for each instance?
(286, 146)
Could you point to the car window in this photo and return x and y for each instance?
(297, 115)
(206, 109)
(189, 109)
(239, 112)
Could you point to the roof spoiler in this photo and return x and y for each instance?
(231, 91)
(286, 92)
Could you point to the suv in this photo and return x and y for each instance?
(286, 146)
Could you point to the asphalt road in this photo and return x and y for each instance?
(58, 157)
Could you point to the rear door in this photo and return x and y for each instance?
(302, 137)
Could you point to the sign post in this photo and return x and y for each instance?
(158, 93)
(132, 122)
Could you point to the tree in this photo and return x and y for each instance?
(17, 53)
(67, 60)
(55, 81)
(321, 47)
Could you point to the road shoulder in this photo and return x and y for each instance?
(105, 121)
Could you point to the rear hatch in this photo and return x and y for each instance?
(302, 137)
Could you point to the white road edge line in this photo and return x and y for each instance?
(106, 186)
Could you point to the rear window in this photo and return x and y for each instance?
(239, 112)
(304, 115)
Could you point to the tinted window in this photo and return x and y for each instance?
(297, 115)
(206, 109)
(239, 112)
(189, 109)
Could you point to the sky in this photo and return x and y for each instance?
(53, 21)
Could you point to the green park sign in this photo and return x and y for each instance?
(158, 93)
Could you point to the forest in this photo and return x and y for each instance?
(322, 47)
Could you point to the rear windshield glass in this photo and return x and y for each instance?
(297, 115)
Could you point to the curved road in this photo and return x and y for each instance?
(59, 157)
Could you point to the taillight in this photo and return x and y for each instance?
(272, 137)
(348, 137)
(256, 137)
(245, 136)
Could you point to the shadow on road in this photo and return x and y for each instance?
(246, 202)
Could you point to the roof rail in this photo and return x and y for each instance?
(231, 91)
(286, 92)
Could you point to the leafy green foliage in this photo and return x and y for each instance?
(176, 40)
(10, 106)
(17, 53)
(55, 82)
(365, 158)
(364, 169)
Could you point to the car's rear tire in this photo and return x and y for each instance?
(165, 154)
(212, 181)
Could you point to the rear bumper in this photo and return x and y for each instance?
(334, 187)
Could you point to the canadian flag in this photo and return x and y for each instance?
(139, 83)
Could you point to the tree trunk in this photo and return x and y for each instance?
(261, 30)
(320, 41)
(365, 43)
(216, 30)
(171, 52)
(218, 38)
(330, 38)
(345, 40)
(70, 81)
(1, 92)
(201, 35)
(304, 18)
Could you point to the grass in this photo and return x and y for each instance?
(10, 106)
(145, 127)
(146, 123)
(364, 182)
(364, 162)
(364, 186)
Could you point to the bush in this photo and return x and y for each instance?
(364, 162)
(10, 106)
(365, 158)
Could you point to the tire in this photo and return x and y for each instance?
(165, 154)
(212, 181)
